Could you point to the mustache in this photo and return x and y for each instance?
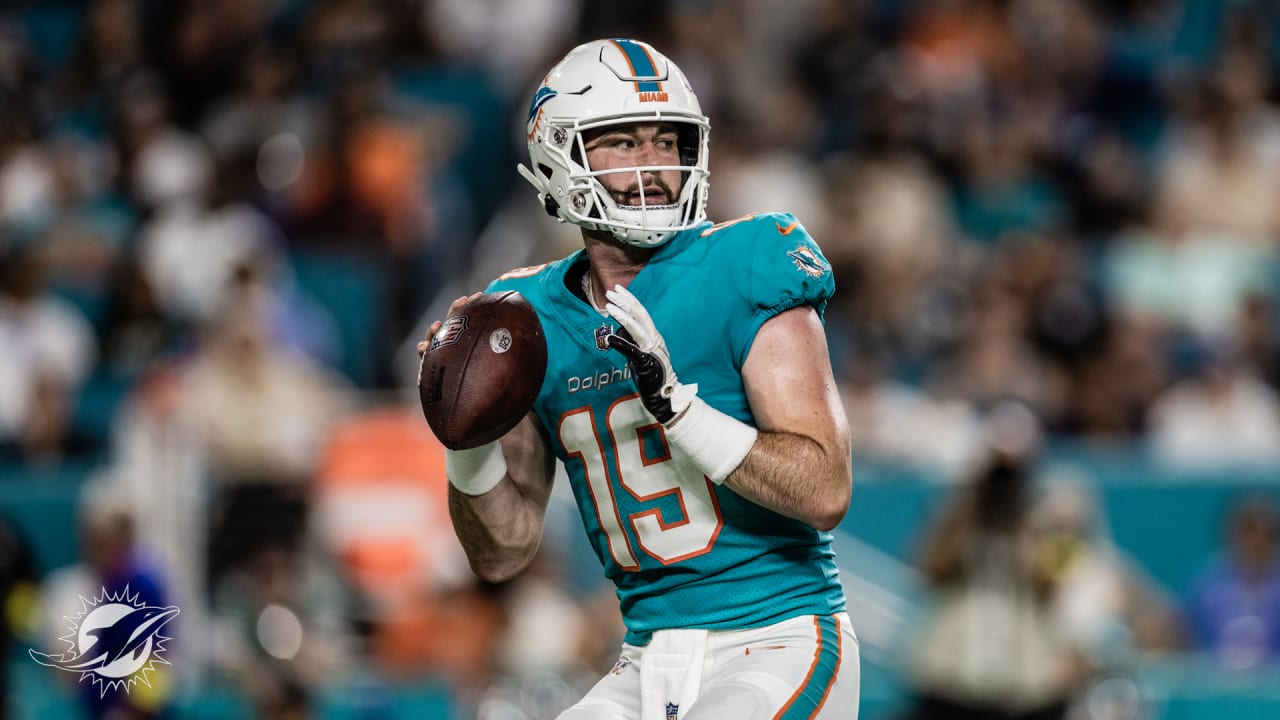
(632, 195)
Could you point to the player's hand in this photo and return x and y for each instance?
(646, 352)
(425, 342)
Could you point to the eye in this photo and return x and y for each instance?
(666, 141)
(612, 142)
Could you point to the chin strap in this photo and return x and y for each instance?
(548, 203)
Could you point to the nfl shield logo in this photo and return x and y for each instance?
(449, 332)
(602, 337)
(673, 710)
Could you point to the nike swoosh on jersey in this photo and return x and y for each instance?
(787, 230)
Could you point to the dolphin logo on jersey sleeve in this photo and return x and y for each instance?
(808, 262)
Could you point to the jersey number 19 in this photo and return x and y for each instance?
(646, 479)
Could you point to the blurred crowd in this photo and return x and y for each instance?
(224, 224)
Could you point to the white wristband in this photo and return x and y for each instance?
(475, 471)
(714, 441)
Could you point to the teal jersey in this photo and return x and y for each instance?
(683, 552)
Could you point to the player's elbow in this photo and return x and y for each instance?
(497, 571)
(832, 504)
(828, 521)
(502, 563)
(494, 575)
(830, 513)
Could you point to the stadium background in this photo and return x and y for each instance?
(223, 225)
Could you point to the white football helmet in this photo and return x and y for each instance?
(614, 82)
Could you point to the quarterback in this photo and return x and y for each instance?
(690, 397)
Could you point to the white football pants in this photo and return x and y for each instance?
(805, 667)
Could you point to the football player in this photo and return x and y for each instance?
(690, 397)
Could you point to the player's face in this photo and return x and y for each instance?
(637, 145)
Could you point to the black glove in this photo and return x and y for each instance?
(646, 352)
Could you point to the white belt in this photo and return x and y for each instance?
(671, 673)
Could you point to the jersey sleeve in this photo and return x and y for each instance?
(786, 270)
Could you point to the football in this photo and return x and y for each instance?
(482, 370)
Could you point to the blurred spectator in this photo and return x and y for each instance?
(281, 628)
(192, 248)
(1184, 276)
(501, 35)
(1002, 191)
(48, 352)
(106, 54)
(1259, 338)
(1112, 389)
(1101, 598)
(167, 167)
(840, 68)
(268, 107)
(1220, 166)
(1233, 608)
(383, 183)
(1065, 319)
(1105, 179)
(554, 645)
(995, 361)
(755, 181)
(956, 48)
(548, 631)
(368, 188)
(28, 187)
(881, 408)
(136, 331)
(1221, 415)
(261, 411)
(91, 224)
(992, 646)
(890, 224)
(200, 49)
(263, 408)
(450, 634)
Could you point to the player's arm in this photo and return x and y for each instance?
(498, 492)
(501, 528)
(797, 461)
(800, 464)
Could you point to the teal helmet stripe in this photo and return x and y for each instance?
(640, 63)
